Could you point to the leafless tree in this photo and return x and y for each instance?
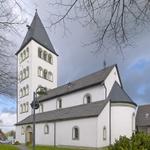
(8, 21)
(113, 21)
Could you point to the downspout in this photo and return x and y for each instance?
(54, 134)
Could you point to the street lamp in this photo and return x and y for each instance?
(35, 105)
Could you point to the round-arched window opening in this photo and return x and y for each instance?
(87, 99)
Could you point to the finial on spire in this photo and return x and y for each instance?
(36, 10)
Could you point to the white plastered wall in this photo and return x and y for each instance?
(110, 80)
(76, 98)
(33, 61)
(103, 121)
(121, 120)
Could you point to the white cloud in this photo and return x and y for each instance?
(7, 121)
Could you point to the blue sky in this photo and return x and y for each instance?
(76, 60)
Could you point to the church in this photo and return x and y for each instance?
(92, 111)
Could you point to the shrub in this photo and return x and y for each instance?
(138, 141)
(17, 143)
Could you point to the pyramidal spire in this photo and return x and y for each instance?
(37, 32)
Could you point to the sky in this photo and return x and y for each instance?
(76, 60)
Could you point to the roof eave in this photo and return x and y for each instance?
(22, 47)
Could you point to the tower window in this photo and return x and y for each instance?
(50, 76)
(40, 52)
(40, 71)
(21, 57)
(27, 89)
(50, 59)
(24, 73)
(27, 106)
(21, 93)
(75, 133)
(21, 108)
(45, 55)
(21, 75)
(87, 99)
(27, 52)
(27, 72)
(24, 54)
(45, 74)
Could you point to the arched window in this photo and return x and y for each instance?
(50, 59)
(21, 108)
(45, 74)
(22, 130)
(50, 76)
(40, 52)
(87, 99)
(24, 54)
(27, 71)
(27, 89)
(40, 71)
(133, 122)
(24, 73)
(75, 133)
(45, 55)
(27, 51)
(46, 129)
(21, 57)
(21, 93)
(27, 106)
(59, 103)
(24, 91)
(21, 75)
(104, 133)
(24, 107)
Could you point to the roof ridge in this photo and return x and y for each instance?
(84, 77)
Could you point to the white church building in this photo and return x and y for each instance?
(92, 111)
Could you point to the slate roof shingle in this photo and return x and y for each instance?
(84, 82)
(141, 118)
(37, 32)
(75, 112)
(117, 94)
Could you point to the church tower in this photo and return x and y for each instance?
(37, 66)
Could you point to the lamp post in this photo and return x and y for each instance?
(35, 105)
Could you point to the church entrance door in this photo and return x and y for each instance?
(29, 135)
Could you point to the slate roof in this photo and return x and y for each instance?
(84, 82)
(37, 32)
(76, 112)
(143, 115)
(118, 95)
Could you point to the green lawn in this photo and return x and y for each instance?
(50, 148)
(8, 147)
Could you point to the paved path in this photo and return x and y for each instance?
(22, 147)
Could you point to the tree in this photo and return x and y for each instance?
(8, 22)
(113, 21)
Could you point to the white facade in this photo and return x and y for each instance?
(122, 122)
(114, 120)
(33, 80)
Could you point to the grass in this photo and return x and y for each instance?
(8, 147)
(39, 147)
